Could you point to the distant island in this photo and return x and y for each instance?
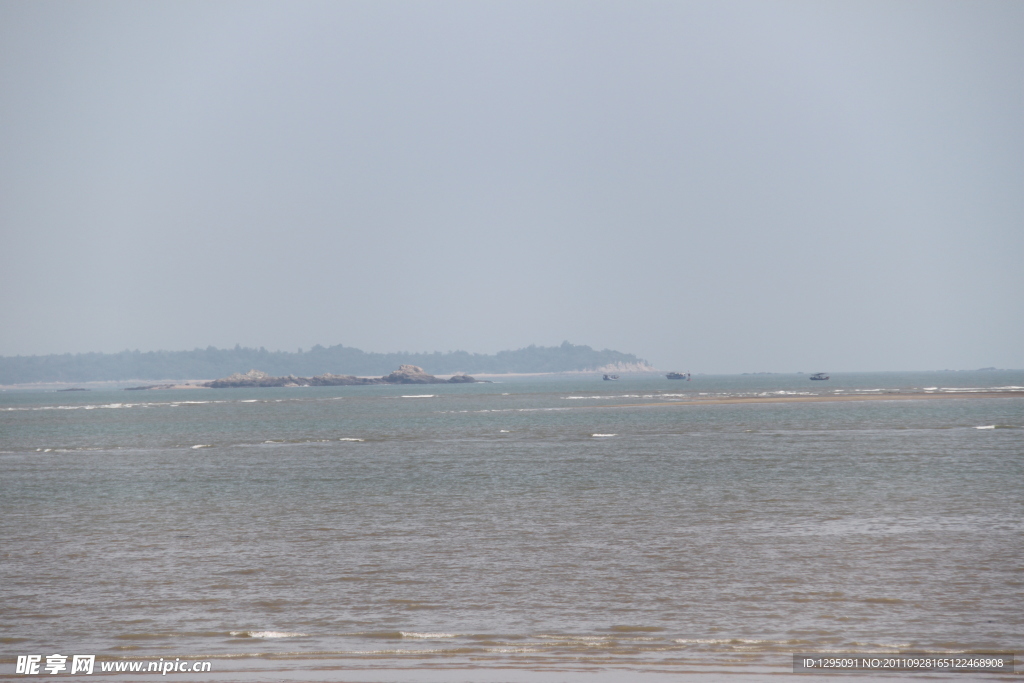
(406, 374)
(334, 360)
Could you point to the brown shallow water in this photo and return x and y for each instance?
(548, 527)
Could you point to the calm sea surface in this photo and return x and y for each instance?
(535, 523)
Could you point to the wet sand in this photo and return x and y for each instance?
(326, 670)
(892, 396)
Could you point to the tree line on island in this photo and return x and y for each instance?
(319, 360)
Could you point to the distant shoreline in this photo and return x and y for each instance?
(168, 384)
(148, 366)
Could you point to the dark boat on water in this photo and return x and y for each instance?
(679, 375)
(820, 375)
(609, 378)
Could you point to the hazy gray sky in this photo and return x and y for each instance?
(714, 186)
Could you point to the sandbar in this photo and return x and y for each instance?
(892, 396)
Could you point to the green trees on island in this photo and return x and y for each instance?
(211, 363)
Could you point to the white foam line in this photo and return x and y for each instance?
(94, 406)
(602, 398)
(500, 410)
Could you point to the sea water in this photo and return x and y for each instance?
(533, 523)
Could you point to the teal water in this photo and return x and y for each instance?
(532, 522)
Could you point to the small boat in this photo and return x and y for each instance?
(820, 375)
(679, 375)
(610, 378)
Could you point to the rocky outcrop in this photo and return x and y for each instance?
(253, 378)
(406, 374)
(330, 380)
(411, 374)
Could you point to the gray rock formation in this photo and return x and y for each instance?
(411, 374)
(254, 378)
(330, 380)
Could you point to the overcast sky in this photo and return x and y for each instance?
(713, 186)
